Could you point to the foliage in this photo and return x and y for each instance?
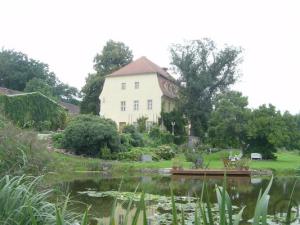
(21, 152)
(243, 163)
(134, 154)
(88, 134)
(196, 157)
(91, 92)
(291, 130)
(58, 140)
(106, 153)
(206, 71)
(165, 152)
(135, 139)
(18, 72)
(21, 202)
(142, 124)
(228, 122)
(264, 131)
(159, 136)
(180, 134)
(114, 55)
(39, 85)
(34, 110)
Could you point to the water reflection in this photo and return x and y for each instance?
(243, 191)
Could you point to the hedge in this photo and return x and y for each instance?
(33, 110)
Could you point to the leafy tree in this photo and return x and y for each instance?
(39, 85)
(228, 122)
(264, 131)
(66, 93)
(114, 55)
(16, 69)
(91, 92)
(18, 72)
(291, 131)
(206, 71)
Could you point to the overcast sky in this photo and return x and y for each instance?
(68, 34)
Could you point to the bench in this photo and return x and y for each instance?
(256, 156)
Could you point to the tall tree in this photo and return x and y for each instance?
(16, 69)
(205, 71)
(19, 72)
(113, 56)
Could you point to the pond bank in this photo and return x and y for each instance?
(286, 164)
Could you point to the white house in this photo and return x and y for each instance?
(139, 89)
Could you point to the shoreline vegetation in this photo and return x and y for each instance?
(287, 163)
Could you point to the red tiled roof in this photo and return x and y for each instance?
(169, 89)
(142, 66)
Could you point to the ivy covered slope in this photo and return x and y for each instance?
(33, 110)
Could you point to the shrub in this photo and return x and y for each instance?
(88, 134)
(196, 157)
(142, 124)
(58, 140)
(160, 137)
(105, 153)
(135, 154)
(165, 152)
(136, 138)
(179, 127)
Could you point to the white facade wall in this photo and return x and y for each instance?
(112, 95)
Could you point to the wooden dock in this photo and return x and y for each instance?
(209, 172)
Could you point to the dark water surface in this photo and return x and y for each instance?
(242, 190)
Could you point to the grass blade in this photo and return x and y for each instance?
(129, 207)
(288, 215)
(84, 220)
(174, 210)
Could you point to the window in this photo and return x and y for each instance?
(149, 104)
(135, 105)
(123, 86)
(123, 106)
(136, 85)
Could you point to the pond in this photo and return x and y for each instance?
(99, 190)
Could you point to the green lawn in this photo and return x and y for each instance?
(286, 162)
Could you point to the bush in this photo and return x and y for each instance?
(58, 140)
(142, 124)
(88, 134)
(135, 154)
(160, 137)
(105, 153)
(136, 138)
(165, 152)
(196, 157)
(180, 125)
